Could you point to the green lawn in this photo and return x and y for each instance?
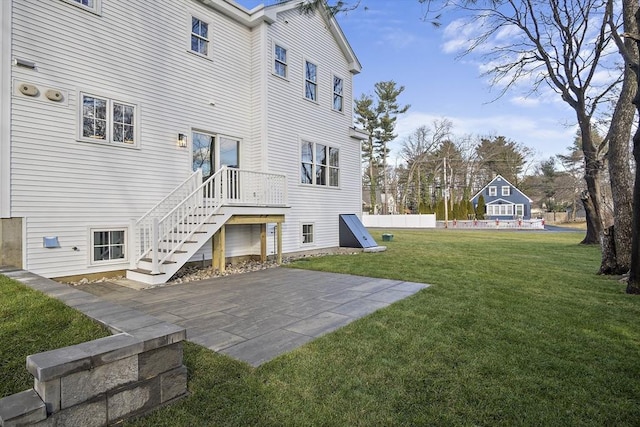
(517, 329)
(30, 323)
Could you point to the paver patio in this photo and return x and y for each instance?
(257, 316)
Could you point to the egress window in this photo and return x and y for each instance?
(107, 120)
(320, 164)
(107, 245)
(199, 36)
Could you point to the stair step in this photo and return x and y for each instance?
(150, 260)
(178, 241)
(143, 271)
(175, 252)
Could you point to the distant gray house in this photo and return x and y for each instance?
(503, 200)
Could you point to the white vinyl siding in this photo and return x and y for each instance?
(307, 39)
(63, 188)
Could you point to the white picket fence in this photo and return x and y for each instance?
(429, 221)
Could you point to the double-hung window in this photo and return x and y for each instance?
(320, 164)
(108, 245)
(307, 233)
(108, 120)
(310, 81)
(90, 5)
(338, 97)
(199, 36)
(493, 191)
(280, 61)
(506, 190)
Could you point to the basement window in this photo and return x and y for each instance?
(108, 245)
(307, 234)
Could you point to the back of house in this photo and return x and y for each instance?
(107, 106)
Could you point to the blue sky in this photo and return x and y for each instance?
(393, 43)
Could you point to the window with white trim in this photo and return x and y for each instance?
(338, 97)
(506, 190)
(310, 81)
(320, 164)
(280, 61)
(199, 36)
(108, 245)
(90, 5)
(493, 191)
(307, 234)
(500, 210)
(107, 120)
(520, 211)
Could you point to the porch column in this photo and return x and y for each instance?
(263, 242)
(279, 228)
(218, 256)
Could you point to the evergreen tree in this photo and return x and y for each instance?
(481, 208)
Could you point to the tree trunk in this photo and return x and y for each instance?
(618, 156)
(593, 223)
(608, 264)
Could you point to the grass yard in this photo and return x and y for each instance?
(30, 323)
(516, 330)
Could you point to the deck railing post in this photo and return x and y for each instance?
(134, 246)
(155, 254)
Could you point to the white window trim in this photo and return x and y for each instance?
(304, 80)
(273, 60)
(109, 135)
(493, 189)
(505, 190)
(492, 208)
(519, 206)
(209, 38)
(124, 260)
(333, 77)
(313, 234)
(314, 163)
(96, 9)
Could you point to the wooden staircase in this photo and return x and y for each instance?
(170, 234)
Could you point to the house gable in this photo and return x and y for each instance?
(499, 181)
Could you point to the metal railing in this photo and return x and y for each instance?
(161, 231)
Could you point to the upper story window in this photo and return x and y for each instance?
(320, 164)
(90, 5)
(310, 81)
(108, 120)
(493, 190)
(506, 190)
(280, 61)
(199, 36)
(338, 97)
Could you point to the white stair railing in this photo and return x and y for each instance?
(161, 236)
(143, 227)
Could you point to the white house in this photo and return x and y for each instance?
(107, 107)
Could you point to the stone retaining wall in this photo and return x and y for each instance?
(104, 381)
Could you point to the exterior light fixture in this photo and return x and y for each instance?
(182, 140)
